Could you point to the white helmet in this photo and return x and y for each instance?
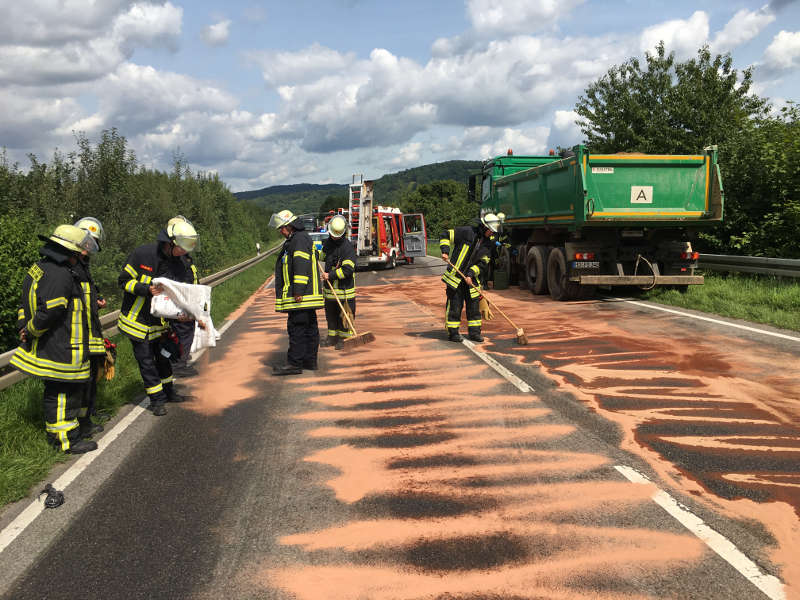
(93, 226)
(177, 219)
(337, 226)
(491, 222)
(182, 233)
(281, 219)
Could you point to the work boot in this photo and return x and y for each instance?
(475, 334)
(173, 396)
(158, 409)
(287, 370)
(339, 343)
(81, 446)
(328, 341)
(86, 428)
(454, 336)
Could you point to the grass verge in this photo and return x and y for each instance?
(760, 299)
(26, 456)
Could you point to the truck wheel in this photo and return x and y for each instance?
(560, 287)
(536, 270)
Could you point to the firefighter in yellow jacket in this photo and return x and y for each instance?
(54, 332)
(298, 293)
(340, 266)
(467, 250)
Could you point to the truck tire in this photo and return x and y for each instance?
(560, 287)
(536, 270)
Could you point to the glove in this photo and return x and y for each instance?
(110, 360)
(486, 311)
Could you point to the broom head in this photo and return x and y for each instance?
(355, 341)
(522, 339)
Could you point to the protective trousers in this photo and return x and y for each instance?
(62, 402)
(456, 298)
(155, 368)
(185, 332)
(90, 390)
(303, 337)
(337, 326)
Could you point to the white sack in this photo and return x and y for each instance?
(194, 300)
(163, 306)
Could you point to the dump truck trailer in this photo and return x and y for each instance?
(577, 220)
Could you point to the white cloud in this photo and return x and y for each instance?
(408, 154)
(217, 34)
(743, 27)
(308, 65)
(564, 132)
(784, 52)
(683, 36)
(516, 16)
(91, 53)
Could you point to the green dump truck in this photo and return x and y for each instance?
(577, 220)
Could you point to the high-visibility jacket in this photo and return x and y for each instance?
(297, 273)
(340, 263)
(143, 265)
(458, 243)
(90, 296)
(53, 313)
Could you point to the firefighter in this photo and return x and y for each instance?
(467, 249)
(149, 334)
(93, 302)
(340, 266)
(182, 269)
(54, 332)
(297, 293)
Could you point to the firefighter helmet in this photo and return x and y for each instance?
(73, 238)
(337, 226)
(182, 233)
(491, 222)
(93, 226)
(281, 219)
(178, 219)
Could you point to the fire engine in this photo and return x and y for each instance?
(382, 235)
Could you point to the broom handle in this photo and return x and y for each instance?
(477, 289)
(344, 312)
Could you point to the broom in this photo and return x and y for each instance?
(357, 339)
(522, 339)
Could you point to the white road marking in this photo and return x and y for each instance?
(35, 508)
(512, 379)
(769, 584)
(710, 320)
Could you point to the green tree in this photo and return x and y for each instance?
(444, 204)
(665, 106)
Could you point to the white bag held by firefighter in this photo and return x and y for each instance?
(163, 306)
(195, 301)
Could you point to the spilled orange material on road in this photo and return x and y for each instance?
(481, 496)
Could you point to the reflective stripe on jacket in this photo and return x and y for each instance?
(458, 244)
(340, 263)
(297, 274)
(53, 314)
(143, 265)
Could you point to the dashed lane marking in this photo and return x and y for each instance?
(769, 584)
(513, 379)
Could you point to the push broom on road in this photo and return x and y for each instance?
(522, 339)
(357, 339)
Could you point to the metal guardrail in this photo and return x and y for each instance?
(780, 267)
(109, 320)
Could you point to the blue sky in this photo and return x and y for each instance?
(268, 93)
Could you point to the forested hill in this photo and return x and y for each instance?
(389, 189)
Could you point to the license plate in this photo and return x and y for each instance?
(589, 264)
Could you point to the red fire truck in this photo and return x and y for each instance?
(382, 235)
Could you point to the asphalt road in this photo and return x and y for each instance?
(411, 468)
